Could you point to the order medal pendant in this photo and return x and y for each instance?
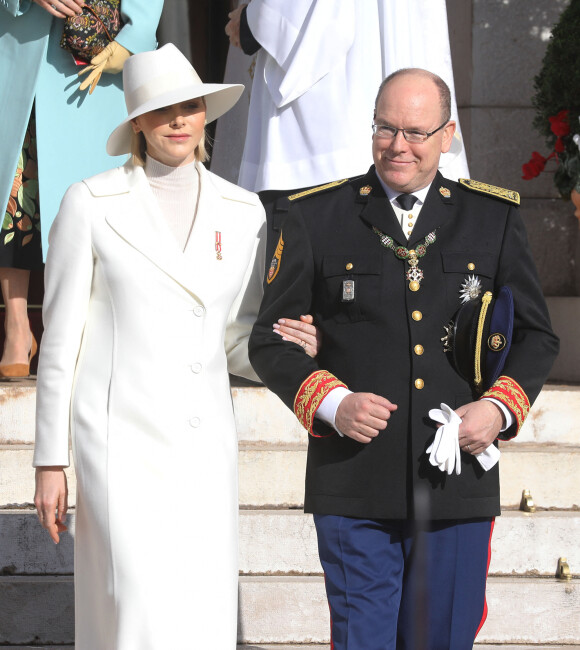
(414, 274)
(414, 277)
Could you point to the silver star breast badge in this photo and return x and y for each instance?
(470, 289)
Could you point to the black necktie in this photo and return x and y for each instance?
(406, 201)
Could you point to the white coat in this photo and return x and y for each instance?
(135, 356)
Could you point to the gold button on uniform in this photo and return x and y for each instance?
(419, 383)
(471, 266)
(418, 350)
(414, 285)
(349, 266)
(416, 315)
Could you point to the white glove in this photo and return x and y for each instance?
(445, 453)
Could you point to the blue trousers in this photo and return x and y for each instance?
(392, 587)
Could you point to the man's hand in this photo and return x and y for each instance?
(480, 426)
(51, 500)
(110, 60)
(361, 416)
(62, 8)
(300, 331)
(232, 28)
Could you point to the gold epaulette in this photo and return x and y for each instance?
(319, 188)
(499, 192)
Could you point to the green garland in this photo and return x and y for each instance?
(557, 88)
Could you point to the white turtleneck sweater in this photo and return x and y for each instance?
(177, 191)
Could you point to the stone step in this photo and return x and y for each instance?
(283, 542)
(283, 610)
(18, 401)
(325, 646)
(274, 476)
(550, 472)
(17, 476)
(277, 542)
(262, 418)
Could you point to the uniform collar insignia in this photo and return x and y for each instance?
(276, 260)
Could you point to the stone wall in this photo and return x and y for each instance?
(497, 48)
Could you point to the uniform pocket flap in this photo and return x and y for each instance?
(357, 264)
(469, 262)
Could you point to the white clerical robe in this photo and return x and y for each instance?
(315, 81)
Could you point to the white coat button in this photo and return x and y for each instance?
(198, 310)
(195, 422)
(196, 367)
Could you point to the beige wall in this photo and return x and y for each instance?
(497, 48)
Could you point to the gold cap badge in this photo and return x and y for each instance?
(496, 342)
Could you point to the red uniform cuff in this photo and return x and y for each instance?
(507, 391)
(311, 393)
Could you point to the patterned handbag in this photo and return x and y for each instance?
(89, 33)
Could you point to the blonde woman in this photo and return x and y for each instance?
(153, 281)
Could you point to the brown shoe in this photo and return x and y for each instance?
(19, 370)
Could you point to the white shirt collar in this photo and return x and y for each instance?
(393, 194)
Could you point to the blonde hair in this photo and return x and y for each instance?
(139, 147)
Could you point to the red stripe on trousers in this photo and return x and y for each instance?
(484, 615)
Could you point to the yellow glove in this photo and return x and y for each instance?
(110, 60)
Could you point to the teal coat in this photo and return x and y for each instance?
(71, 127)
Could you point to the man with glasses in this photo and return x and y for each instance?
(384, 262)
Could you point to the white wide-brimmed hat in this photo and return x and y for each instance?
(160, 78)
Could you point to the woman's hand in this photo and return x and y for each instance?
(111, 60)
(51, 499)
(302, 332)
(62, 8)
(232, 29)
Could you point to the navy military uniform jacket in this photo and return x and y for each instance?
(388, 339)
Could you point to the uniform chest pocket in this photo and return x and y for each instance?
(467, 272)
(351, 286)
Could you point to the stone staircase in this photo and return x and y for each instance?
(282, 600)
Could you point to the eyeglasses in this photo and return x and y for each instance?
(411, 135)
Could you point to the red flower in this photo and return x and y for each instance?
(559, 124)
(534, 166)
(559, 146)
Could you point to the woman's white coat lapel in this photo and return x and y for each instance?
(135, 216)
